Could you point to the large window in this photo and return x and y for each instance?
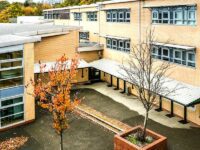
(11, 110)
(118, 15)
(174, 15)
(118, 44)
(175, 55)
(77, 16)
(92, 16)
(11, 69)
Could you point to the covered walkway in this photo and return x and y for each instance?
(186, 96)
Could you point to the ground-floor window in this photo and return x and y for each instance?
(11, 111)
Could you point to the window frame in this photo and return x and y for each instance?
(114, 46)
(162, 56)
(108, 40)
(177, 59)
(190, 61)
(17, 104)
(128, 19)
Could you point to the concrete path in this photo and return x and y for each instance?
(133, 104)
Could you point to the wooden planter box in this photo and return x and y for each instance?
(120, 143)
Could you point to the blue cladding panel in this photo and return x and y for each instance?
(11, 92)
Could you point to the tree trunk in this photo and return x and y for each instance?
(145, 125)
(61, 140)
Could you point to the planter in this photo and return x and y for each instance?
(159, 143)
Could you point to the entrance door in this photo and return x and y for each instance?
(94, 75)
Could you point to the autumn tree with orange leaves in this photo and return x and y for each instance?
(52, 91)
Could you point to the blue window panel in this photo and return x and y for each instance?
(11, 92)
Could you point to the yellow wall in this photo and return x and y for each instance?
(52, 48)
(184, 35)
(29, 101)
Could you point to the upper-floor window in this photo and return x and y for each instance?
(77, 16)
(118, 44)
(92, 16)
(84, 35)
(175, 55)
(185, 15)
(118, 15)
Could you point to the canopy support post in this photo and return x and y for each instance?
(124, 90)
(172, 110)
(111, 82)
(160, 104)
(117, 88)
(184, 121)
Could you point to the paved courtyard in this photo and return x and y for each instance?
(82, 135)
(86, 135)
(180, 137)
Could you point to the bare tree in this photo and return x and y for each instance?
(149, 77)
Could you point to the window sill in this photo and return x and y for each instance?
(174, 25)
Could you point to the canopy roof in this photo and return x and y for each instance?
(49, 65)
(186, 95)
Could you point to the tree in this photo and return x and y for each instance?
(3, 5)
(149, 77)
(52, 91)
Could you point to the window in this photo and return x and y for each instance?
(11, 69)
(128, 15)
(11, 110)
(114, 16)
(155, 16)
(174, 15)
(77, 16)
(118, 15)
(114, 44)
(127, 47)
(191, 17)
(178, 56)
(117, 44)
(92, 16)
(165, 54)
(121, 16)
(191, 59)
(108, 43)
(165, 16)
(155, 53)
(178, 17)
(108, 16)
(84, 35)
(121, 45)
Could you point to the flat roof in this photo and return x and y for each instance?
(186, 95)
(33, 29)
(16, 34)
(11, 40)
(92, 5)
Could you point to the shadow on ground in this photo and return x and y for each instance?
(178, 139)
(82, 134)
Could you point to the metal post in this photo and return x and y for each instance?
(160, 104)
(124, 91)
(172, 110)
(117, 88)
(184, 121)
